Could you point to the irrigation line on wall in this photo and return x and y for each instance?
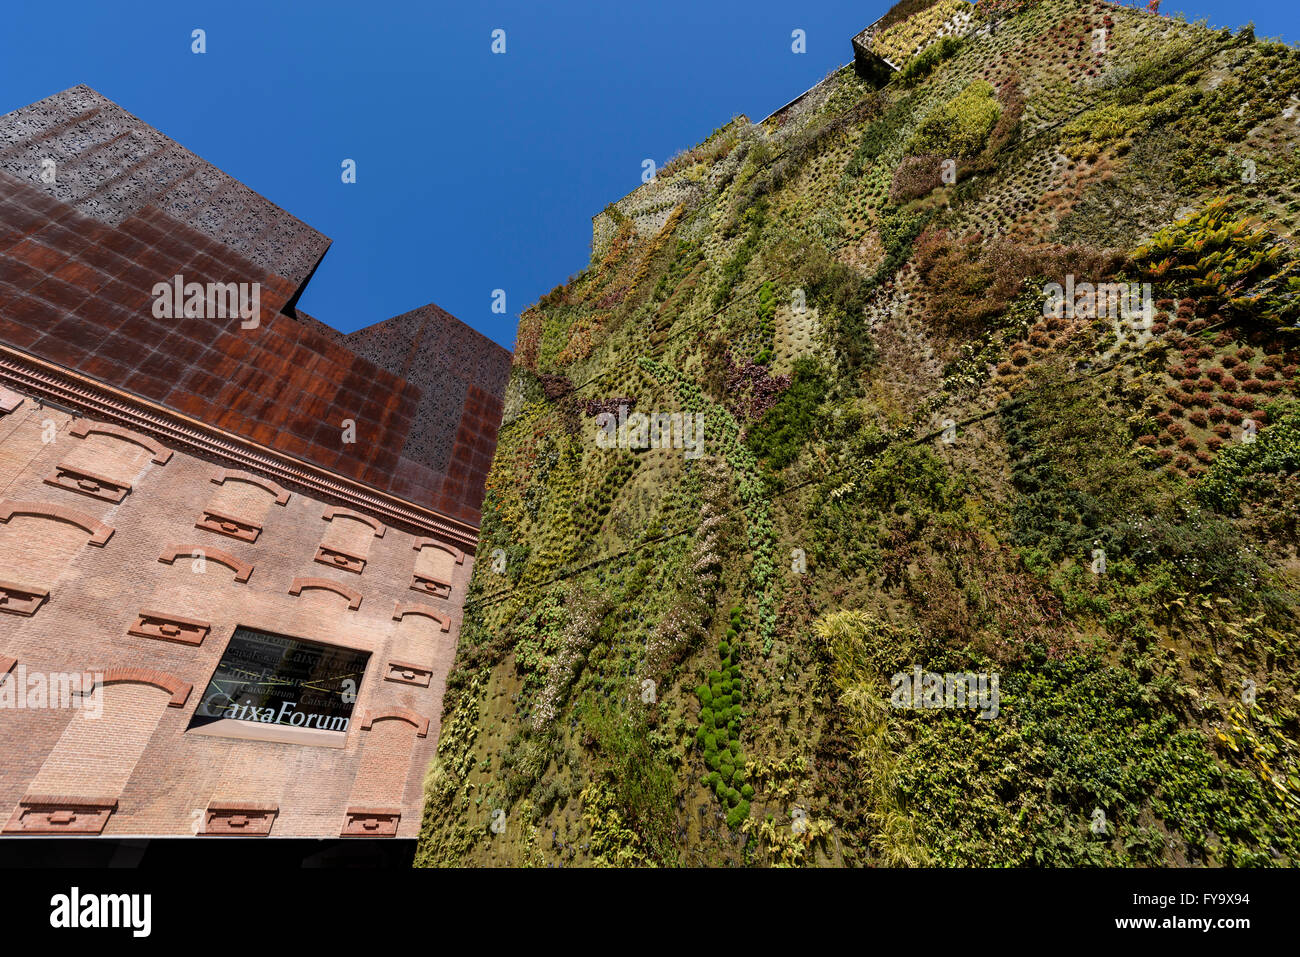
(1173, 69)
(850, 470)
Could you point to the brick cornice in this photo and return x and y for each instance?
(167, 626)
(88, 397)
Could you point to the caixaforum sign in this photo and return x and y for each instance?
(273, 679)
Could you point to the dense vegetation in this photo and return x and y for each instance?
(690, 654)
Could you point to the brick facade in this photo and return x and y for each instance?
(163, 482)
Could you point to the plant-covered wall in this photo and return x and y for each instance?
(987, 371)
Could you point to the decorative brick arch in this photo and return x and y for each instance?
(84, 427)
(399, 714)
(234, 475)
(178, 689)
(99, 532)
(455, 552)
(332, 513)
(415, 608)
(353, 597)
(242, 570)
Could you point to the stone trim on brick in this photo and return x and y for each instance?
(168, 627)
(333, 512)
(228, 525)
(242, 570)
(80, 392)
(21, 599)
(84, 427)
(403, 672)
(178, 689)
(371, 822)
(428, 585)
(84, 482)
(445, 546)
(99, 532)
(400, 714)
(234, 475)
(337, 558)
(238, 819)
(405, 608)
(353, 597)
(59, 814)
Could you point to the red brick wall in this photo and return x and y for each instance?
(139, 751)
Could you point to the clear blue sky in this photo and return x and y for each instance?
(475, 171)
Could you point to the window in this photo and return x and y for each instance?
(296, 690)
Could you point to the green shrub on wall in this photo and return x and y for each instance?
(959, 127)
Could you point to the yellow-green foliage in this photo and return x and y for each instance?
(613, 843)
(1260, 746)
(902, 41)
(861, 648)
(1236, 260)
(959, 127)
(1111, 125)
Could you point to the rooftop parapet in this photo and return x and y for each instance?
(907, 30)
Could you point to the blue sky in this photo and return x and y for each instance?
(475, 171)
